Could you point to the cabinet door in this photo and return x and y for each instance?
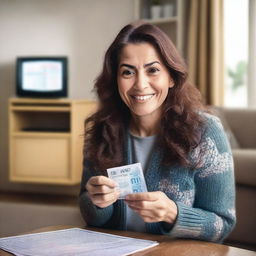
(40, 159)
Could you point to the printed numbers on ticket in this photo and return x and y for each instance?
(130, 179)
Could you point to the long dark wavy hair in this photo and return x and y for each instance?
(181, 124)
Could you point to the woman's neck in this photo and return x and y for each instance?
(144, 127)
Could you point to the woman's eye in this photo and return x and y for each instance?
(153, 70)
(127, 73)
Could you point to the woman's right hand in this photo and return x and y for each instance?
(102, 191)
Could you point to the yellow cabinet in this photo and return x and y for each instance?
(46, 139)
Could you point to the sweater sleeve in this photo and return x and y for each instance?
(212, 216)
(93, 215)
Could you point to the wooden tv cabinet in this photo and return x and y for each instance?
(46, 139)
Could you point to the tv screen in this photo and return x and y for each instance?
(41, 76)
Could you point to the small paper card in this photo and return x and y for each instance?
(130, 179)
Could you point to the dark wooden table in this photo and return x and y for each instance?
(167, 246)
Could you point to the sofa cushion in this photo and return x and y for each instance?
(245, 166)
(231, 137)
(244, 231)
(243, 125)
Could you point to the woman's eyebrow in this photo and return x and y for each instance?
(127, 65)
(151, 63)
(133, 67)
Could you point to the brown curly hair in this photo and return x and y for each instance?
(181, 123)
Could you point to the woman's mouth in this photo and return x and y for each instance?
(143, 97)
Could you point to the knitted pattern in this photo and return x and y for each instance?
(205, 197)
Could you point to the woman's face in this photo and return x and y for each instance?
(143, 80)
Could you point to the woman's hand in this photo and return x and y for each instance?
(102, 191)
(153, 206)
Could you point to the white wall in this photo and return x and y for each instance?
(79, 29)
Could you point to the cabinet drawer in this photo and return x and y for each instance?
(40, 159)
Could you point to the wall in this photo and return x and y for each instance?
(79, 29)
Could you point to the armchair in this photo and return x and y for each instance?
(240, 126)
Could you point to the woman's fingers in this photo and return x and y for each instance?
(102, 191)
(146, 196)
(153, 206)
(104, 200)
(101, 180)
(99, 198)
(100, 185)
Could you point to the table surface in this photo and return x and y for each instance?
(167, 246)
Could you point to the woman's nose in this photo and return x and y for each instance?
(141, 81)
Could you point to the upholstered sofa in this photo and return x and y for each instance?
(240, 126)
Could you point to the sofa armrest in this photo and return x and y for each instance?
(245, 166)
(243, 125)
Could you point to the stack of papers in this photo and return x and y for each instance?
(75, 242)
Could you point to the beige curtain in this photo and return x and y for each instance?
(205, 49)
(251, 55)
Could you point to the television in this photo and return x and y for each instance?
(41, 76)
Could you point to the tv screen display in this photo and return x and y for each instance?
(41, 76)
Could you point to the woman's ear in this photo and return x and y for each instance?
(171, 84)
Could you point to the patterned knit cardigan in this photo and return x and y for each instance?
(205, 197)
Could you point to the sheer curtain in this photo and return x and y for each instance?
(205, 49)
(252, 55)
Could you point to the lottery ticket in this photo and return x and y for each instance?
(130, 179)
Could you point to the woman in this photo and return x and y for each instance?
(149, 113)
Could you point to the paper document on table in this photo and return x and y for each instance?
(130, 179)
(73, 241)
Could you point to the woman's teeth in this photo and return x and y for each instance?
(145, 97)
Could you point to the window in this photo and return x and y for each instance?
(236, 45)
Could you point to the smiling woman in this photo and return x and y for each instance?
(149, 113)
(181, 103)
(143, 84)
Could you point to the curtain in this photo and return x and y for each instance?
(252, 55)
(205, 49)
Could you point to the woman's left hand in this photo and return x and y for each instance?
(153, 206)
